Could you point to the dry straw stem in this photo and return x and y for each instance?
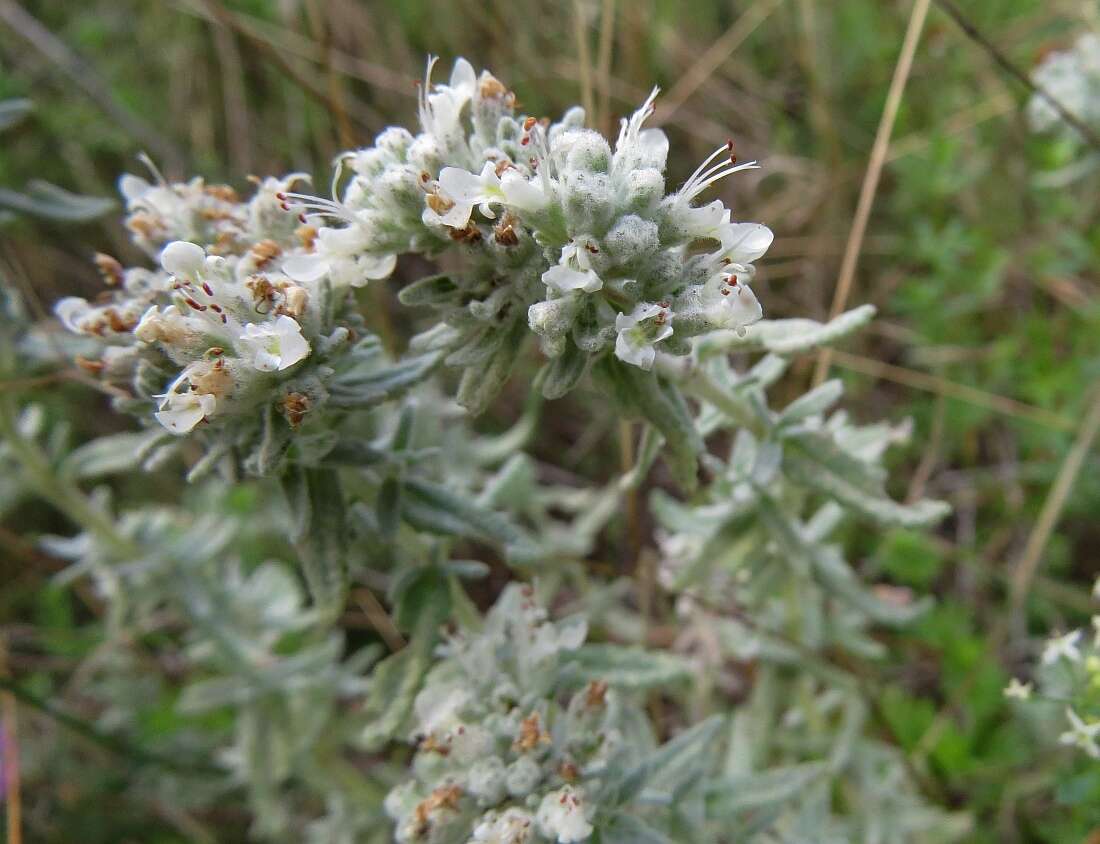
(9, 754)
(584, 60)
(712, 59)
(974, 34)
(379, 619)
(867, 191)
(952, 390)
(87, 80)
(1028, 565)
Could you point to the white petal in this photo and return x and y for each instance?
(521, 193)
(132, 187)
(463, 77)
(182, 258)
(375, 266)
(461, 185)
(71, 309)
(306, 268)
(566, 280)
(745, 242)
(639, 355)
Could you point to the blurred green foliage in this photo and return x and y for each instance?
(982, 276)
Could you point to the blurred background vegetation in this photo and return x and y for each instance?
(985, 280)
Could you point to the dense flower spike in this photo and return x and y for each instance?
(561, 234)
(502, 755)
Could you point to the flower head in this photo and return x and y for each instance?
(561, 816)
(1016, 689)
(1081, 734)
(640, 331)
(274, 346)
(1062, 647)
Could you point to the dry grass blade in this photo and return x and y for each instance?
(712, 59)
(584, 60)
(867, 191)
(1028, 565)
(85, 78)
(9, 756)
(953, 390)
(975, 35)
(380, 619)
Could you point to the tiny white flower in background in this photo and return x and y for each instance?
(561, 816)
(1062, 647)
(566, 280)
(181, 412)
(1096, 589)
(1016, 689)
(274, 346)
(463, 190)
(1082, 735)
(639, 331)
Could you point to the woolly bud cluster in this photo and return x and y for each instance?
(499, 758)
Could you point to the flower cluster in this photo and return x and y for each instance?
(1071, 77)
(561, 234)
(1069, 678)
(230, 324)
(498, 758)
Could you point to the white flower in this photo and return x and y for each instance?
(438, 709)
(72, 311)
(743, 243)
(513, 826)
(180, 412)
(441, 108)
(459, 191)
(181, 258)
(1082, 735)
(706, 222)
(567, 280)
(525, 194)
(1062, 647)
(639, 331)
(640, 148)
(168, 326)
(341, 254)
(729, 303)
(274, 346)
(561, 816)
(1016, 689)
(1096, 589)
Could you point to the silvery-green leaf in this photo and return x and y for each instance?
(626, 667)
(813, 403)
(111, 454)
(480, 384)
(788, 336)
(13, 111)
(767, 788)
(43, 199)
(433, 508)
(365, 389)
(435, 291)
(322, 548)
(624, 828)
(675, 759)
(561, 374)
